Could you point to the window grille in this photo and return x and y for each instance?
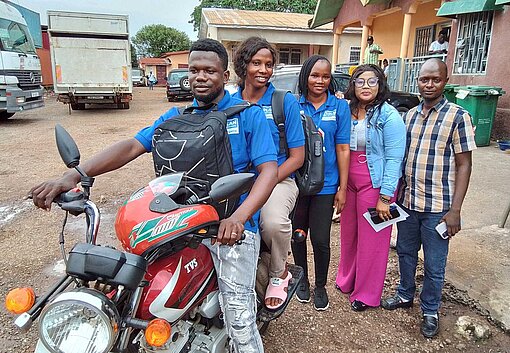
(473, 40)
(424, 36)
(290, 56)
(295, 56)
(354, 55)
(284, 54)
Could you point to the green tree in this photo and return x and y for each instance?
(154, 40)
(134, 58)
(299, 6)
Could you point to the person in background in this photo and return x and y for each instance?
(372, 52)
(254, 61)
(251, 144)
(439, 46)
(437, 168)
(378, 141)
(313, 213)
(152, 80)
(386, 67)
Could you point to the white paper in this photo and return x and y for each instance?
(382, 225)
(462, 94)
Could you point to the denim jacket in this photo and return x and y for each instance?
(385, 147)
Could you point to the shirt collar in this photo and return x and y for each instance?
(439, 105)
(264, 100)
(330, 102)
(222, 104)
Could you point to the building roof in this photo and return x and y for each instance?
(153, 61)
(245, 18)
(170, 53)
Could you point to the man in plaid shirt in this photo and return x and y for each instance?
(437, 168)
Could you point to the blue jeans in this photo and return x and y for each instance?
(417, 230)
(236, 268)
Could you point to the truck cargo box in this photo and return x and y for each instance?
(91, 58)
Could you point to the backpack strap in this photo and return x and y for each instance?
(236, 109)
(279, 117)
(190, 109)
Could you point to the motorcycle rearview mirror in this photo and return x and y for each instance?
(231, 186)
(67, 147)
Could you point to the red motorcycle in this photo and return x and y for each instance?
(158, 295)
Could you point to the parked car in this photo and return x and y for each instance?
(177, 85)
(286, 78)
(137, 77)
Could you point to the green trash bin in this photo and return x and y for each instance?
(449, 91)
(480, 102)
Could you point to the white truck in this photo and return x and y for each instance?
(20, 68)
(91, 59)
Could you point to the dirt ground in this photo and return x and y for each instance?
(29, 241)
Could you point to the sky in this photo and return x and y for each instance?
(171, 13)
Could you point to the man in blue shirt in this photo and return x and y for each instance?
(251, 142)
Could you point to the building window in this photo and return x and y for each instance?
(424, 36)
(354, 55)
(290, 56)
(473, 41)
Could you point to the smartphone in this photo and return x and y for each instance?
(375, 216)
(442, 230)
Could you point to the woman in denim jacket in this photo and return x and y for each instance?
(378, 141)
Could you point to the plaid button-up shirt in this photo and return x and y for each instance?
(429, 164)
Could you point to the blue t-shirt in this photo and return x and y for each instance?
(249, 136)
(293, 128)
(333, 120)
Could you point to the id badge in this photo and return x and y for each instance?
(354, 140)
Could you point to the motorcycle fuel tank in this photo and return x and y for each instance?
(177, 283)
(140, 229)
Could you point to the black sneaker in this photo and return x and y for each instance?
(429, 326)
(320, 300)
(303, 292)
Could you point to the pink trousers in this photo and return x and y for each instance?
(363, 251)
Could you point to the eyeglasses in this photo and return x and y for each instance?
(360, 82)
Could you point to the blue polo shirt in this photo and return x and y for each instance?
(249, 136)
(333, 120)
(293, 127)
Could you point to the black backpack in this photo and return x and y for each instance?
(310, 177)
(197, 143)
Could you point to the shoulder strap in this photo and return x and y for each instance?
(236, 109)
(279, 117)
(231, 111)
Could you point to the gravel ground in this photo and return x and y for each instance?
(29, 240)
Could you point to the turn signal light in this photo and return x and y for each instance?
(20, 300)
(158, 332)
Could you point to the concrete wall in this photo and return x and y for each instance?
(346, 41)
(425, 16)
(497, 70)
(387, 29)
(176, 60)
(274, 36)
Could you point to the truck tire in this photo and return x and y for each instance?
(5, 115)
(123, 105)
(78, 106)
(184, 83)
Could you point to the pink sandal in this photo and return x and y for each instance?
(276, 289)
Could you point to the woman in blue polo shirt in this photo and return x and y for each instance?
(313, 213)
(253, 64)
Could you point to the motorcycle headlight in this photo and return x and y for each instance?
(79, 321)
